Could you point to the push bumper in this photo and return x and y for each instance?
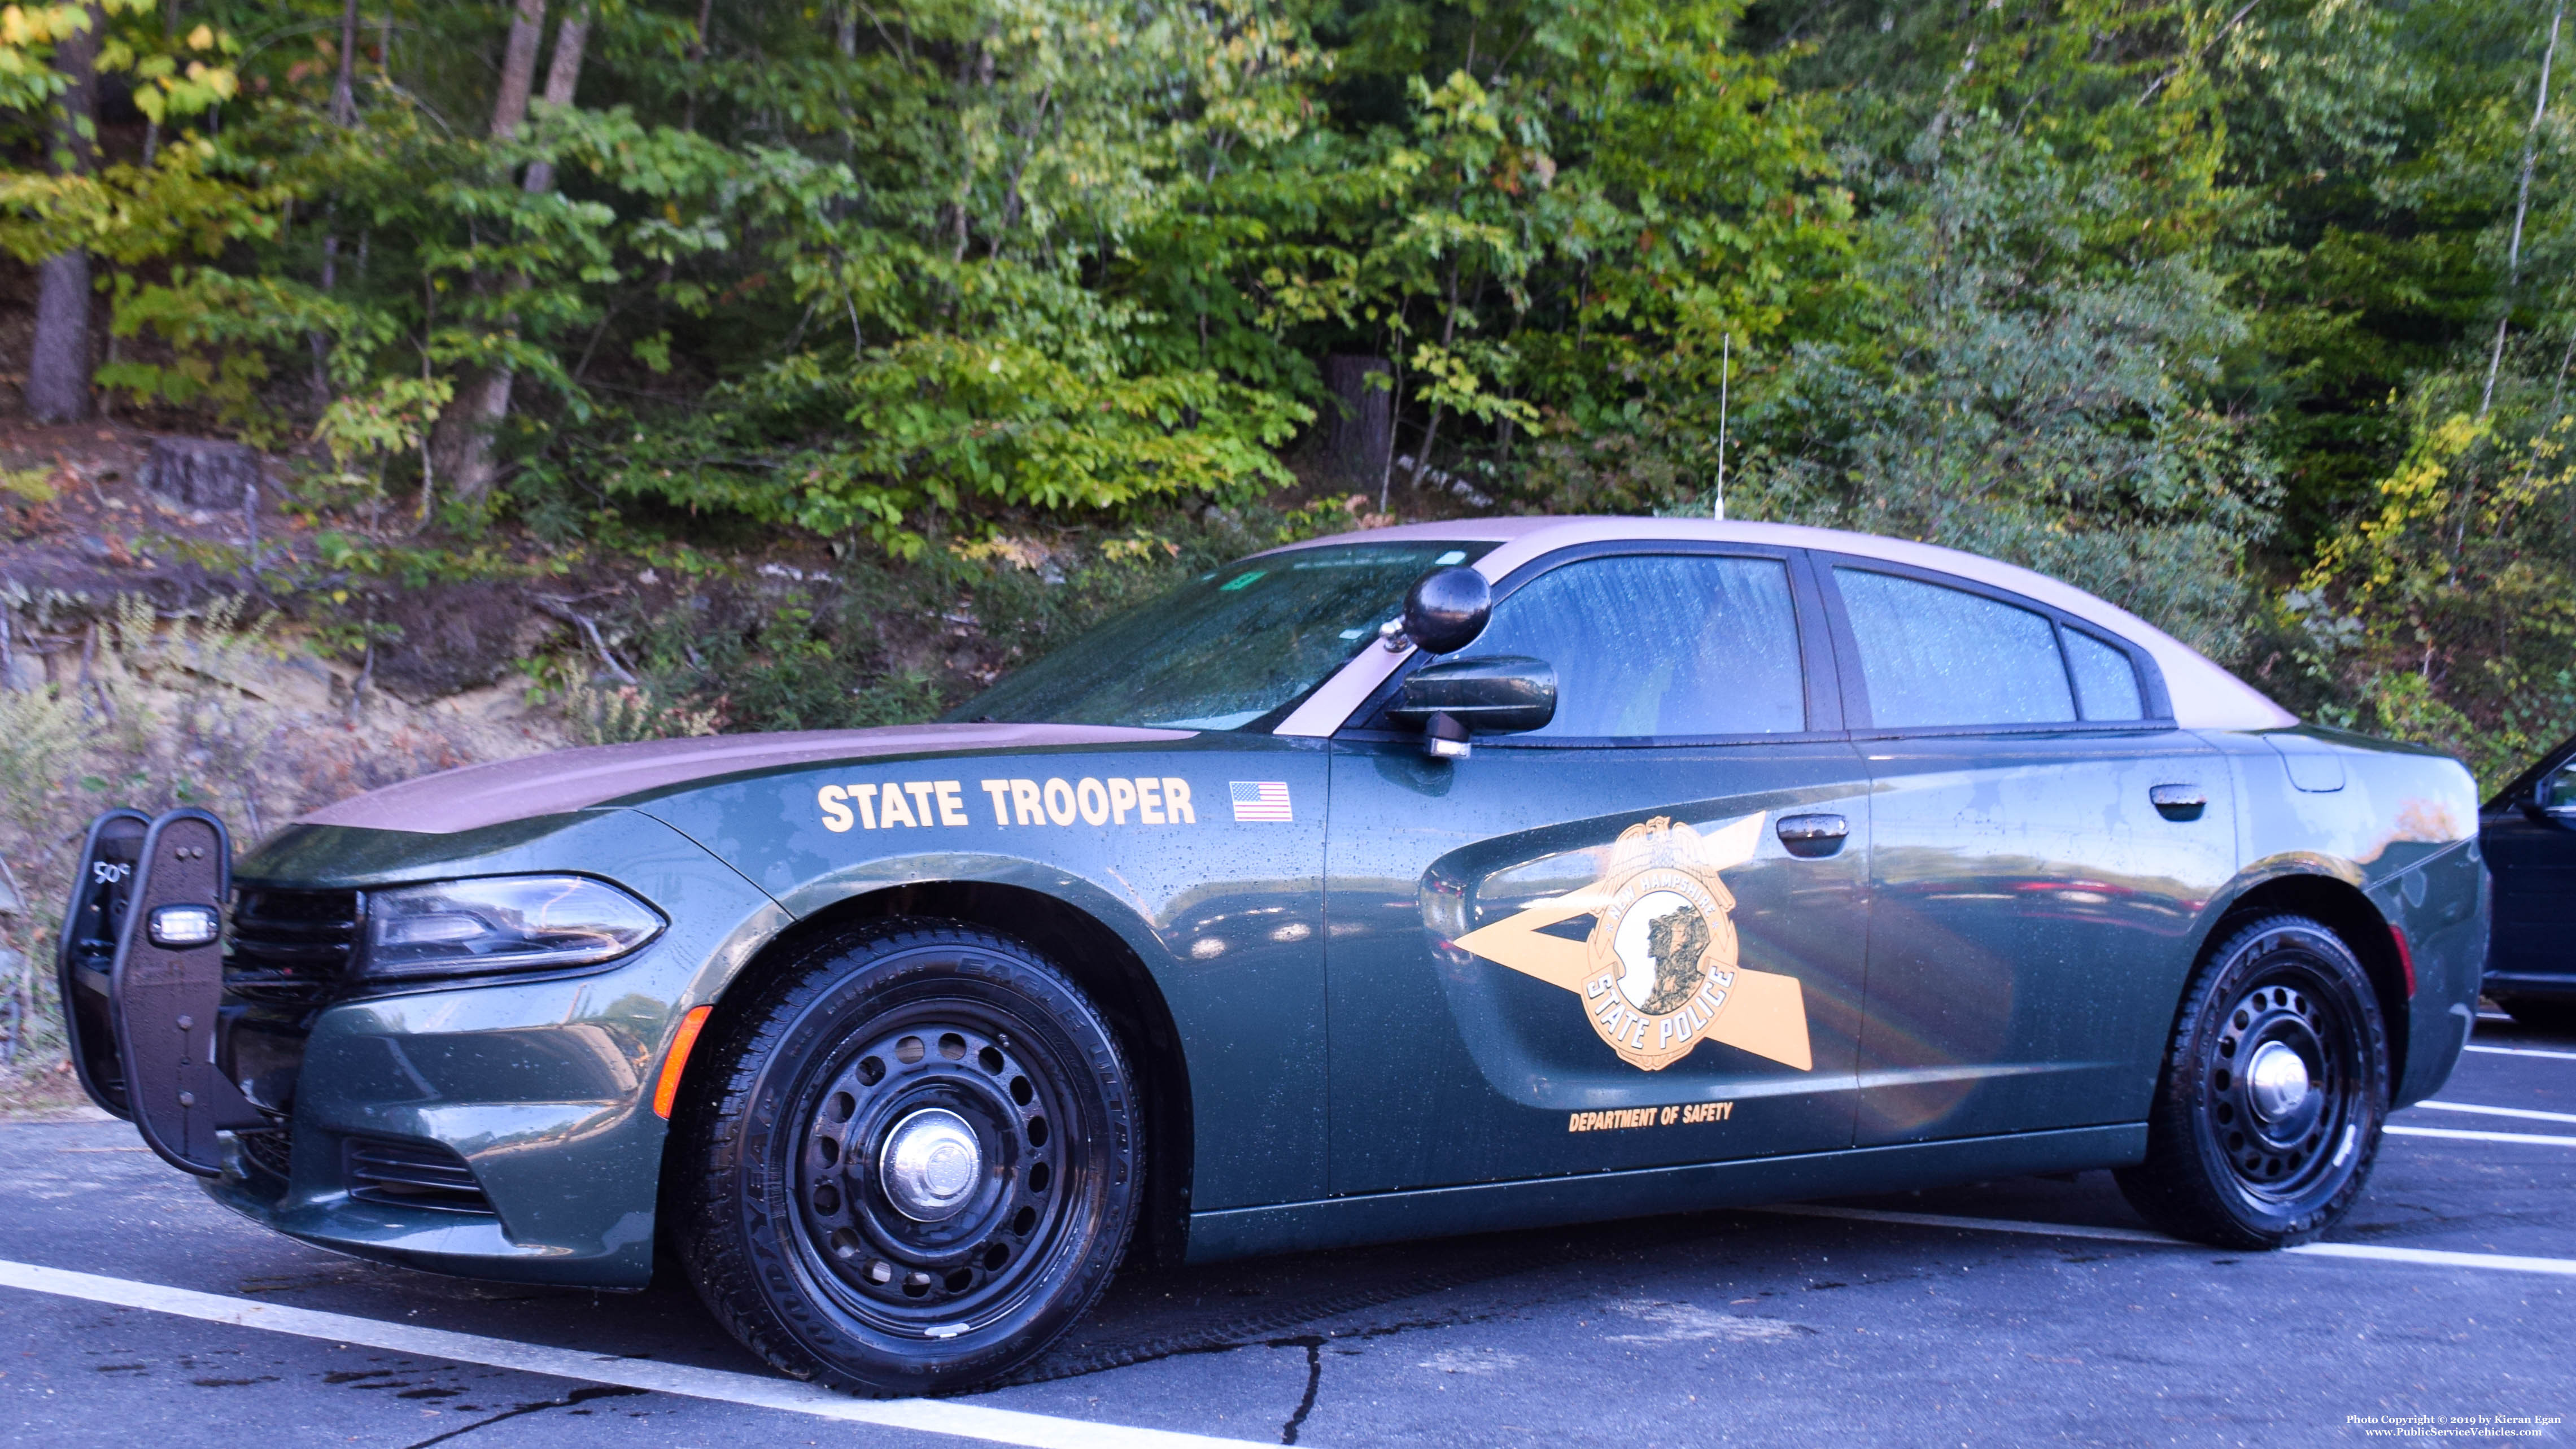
(496, 1128)
(141, 976)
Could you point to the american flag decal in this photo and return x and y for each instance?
(1260, 800)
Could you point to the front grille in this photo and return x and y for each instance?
(291, 947)
(413, 1174)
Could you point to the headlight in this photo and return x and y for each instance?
(502, 923)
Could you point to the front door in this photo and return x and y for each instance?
(2033, 906)
(1590, 946)
(2530, 845)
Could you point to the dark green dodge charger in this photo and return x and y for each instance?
(1432, 880)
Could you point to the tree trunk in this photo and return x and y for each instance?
(58, 368)
(344, 114)
(344, 89)
(1359, 438)
(518, 69)
(2522, 208)
(561, 78)
(1448, 334)
(697, 64)
(460, 447)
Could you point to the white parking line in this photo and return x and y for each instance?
(2438, 1258)
(2532, 1114)
(2523, 1052)
(929, 1416)
(2465, 1135)
(2428, 1257)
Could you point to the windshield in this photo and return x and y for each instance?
(1225, 649)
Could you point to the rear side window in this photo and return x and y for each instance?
(1660, 645)
(2106, 683)
(1935, 656)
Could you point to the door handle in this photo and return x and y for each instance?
(2178, 802)
(1812, 835)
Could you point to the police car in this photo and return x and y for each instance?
(1438, 879)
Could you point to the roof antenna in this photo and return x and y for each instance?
(1725, 373)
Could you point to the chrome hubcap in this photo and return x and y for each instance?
(2277, 1081)
(930, 1165)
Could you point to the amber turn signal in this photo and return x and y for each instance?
(667, 1091)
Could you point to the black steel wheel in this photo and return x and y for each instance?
(909, 1163)
(2266, 1117)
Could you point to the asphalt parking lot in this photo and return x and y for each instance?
(2053, 1317)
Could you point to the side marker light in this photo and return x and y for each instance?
(667, 1091)
(2405, 958)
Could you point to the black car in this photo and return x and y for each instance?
(2528, 834)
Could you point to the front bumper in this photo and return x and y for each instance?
(541, 1091)
(516, 1112)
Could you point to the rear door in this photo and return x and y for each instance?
(2033, 908)
(1588, 946)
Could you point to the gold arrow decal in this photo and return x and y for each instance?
(1520, 940)
(1666, 868)
(1767, 1016)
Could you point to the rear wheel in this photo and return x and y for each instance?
(2266, 1118)
(911, 1162)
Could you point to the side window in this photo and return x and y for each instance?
(1939, 656)
(2106, 683)
(2558, 789)
(1670, 645)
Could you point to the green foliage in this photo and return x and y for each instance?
(885, 277)
(2014, 397)
(1019, 308)
(362, 431)
(1570, 212)
(2447, 612)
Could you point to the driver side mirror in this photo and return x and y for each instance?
(1459, 698)
(1444, 611)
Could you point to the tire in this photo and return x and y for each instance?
(2540, 1015)
(2230, 1163)
(908, 1163)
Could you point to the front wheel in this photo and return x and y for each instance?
(2267, 1114)
(909, 1163)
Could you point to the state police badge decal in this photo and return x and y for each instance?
(1659, 973)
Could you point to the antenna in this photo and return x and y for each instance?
(1725, 374)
